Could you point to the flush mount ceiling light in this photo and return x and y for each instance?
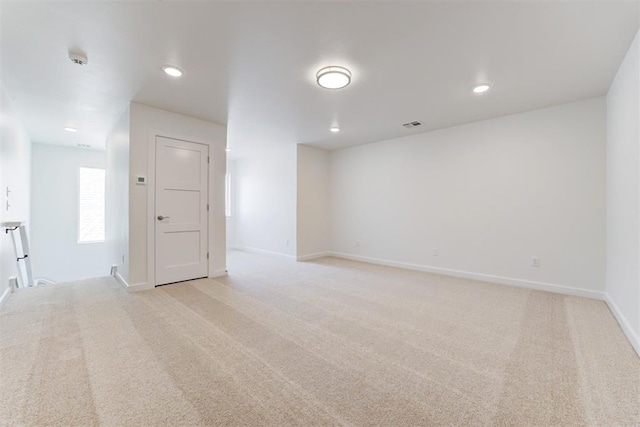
(70, 129)
(172, 70)
(481, 88)
(335, 129)
(333, 77)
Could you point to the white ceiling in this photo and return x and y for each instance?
(252, 65)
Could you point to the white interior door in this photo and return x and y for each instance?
(181, 236)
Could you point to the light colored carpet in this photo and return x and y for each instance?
(330, 342)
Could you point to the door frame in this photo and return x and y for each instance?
(151, 198)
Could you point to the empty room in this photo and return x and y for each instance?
(320, 213)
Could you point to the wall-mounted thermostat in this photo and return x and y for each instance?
(141, 180)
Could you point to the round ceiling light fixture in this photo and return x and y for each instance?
(172, 71)
(70, 129)
(335, 129)
(333, 77)
(481, 88)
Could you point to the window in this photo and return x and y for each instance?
(227, 195)
(91, 205)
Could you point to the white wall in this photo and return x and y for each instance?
(15, 174)
(55, 251)
(145, 123)
(266, 202)
(488, 195)
(231, 221)
(117, 194)
(623, 194)
(313, 202)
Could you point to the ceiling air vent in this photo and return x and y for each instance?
(410, 125)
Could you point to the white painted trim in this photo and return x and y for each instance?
(131, 288)
(316, 255)
(138, 287)
(121, 280)
(5, 296)
(218, 273)
(135, 287)
(262, 252)
(548, 287)
(151, 196)
(624, 324)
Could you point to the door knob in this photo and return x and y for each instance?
(160, 217)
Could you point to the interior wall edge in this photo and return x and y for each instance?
(634, 339)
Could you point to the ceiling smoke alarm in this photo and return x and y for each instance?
(410, 125)
(78, 58)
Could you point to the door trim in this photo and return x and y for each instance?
(151, 197)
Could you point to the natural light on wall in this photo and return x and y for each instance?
(91, 196)
(227, 195)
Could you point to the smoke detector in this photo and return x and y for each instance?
(410, 125)
(78, 58)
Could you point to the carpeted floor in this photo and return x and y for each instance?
(329, 342)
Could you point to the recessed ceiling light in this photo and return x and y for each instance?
(172, 71)
(335, 129)
(333, 77)
(70, 129)
(481, 88)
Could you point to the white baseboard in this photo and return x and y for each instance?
(218, 273)
(624, 324)
(309, 257)
(137, 287)
(262, 252)
(540, 286)
(5, 295)
(121, 280)
(559, 289)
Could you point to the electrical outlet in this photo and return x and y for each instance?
(287, 242)
(535, 261)
(357, 243)
(436, 252)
